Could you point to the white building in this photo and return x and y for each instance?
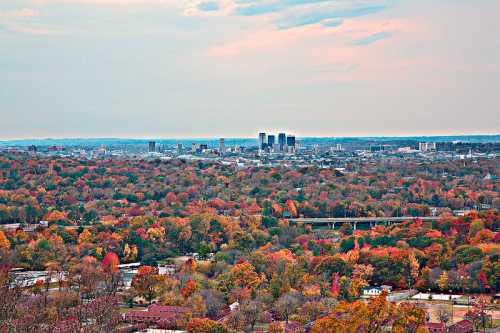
(375, 290)
(426, 146)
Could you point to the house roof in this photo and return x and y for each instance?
(463, 324)
(157, 312)
(150, 314)
(381, 288)
(166, 308)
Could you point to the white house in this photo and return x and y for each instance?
(234, 306)
(375, 290)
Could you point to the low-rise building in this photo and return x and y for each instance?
(162, 315)
(436, 327)
(463, 326)
(376, 290)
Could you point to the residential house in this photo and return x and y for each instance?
(375, 290)
(463, 326)
(436, 327)
(162, 315)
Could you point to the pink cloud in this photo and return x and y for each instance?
(268, 40)
(265, 40)
(334, 57)
(108, 2)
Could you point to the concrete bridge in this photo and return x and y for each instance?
(32, 227)
(372, 221)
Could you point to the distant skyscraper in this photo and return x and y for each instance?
(426, 146)
(338, 147)
(270, 141)
(179, 148)
(152, 146)
(222, 146)
(262, 140)
(290, 141)
(282, 141)
(101, 150)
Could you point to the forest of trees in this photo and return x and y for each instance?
(105, 212)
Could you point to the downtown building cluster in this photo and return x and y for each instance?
(284, 144)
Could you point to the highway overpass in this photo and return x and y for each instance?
(331, 222)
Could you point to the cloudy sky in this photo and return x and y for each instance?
(209, 68)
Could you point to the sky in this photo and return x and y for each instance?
(232, 68)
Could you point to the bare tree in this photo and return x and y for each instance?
(287, 304)
(443, 313)
(11, 293)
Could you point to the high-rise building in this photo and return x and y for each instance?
(101, 150)
(179, 148)
(281, 141)
(271, 140)
(262, 140)
(338, 147)
(152, 146)
(222, 147)
(290, 141)
(426, 146)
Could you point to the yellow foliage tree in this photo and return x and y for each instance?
(4, 242)
(84, 236)
(244, 275)
(442, 282)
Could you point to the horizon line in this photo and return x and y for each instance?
(245, 138)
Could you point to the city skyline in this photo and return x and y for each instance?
(225, 68)
(146, 139)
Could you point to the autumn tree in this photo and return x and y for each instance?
(148, 283)
(409, 318)
(205, 325)
(244, 275)
(112, 276)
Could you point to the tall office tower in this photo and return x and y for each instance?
(271, 140)
(222, 147)
(179, 148)
(426, 146)
(152, 146)
(338, 147)
(262, 140)
(101, 150)
(281, 141)
(290, 144)
(194, 147)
